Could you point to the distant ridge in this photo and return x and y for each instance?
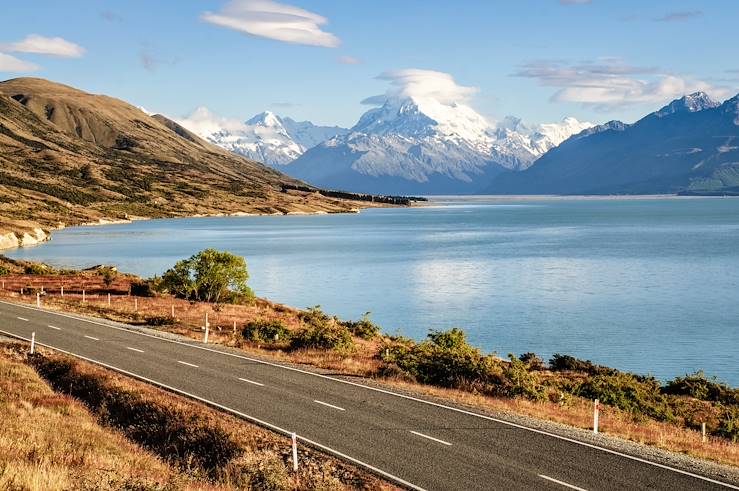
(690, 146)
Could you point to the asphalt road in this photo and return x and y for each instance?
(421, 444)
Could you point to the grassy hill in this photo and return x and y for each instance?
(68, 157)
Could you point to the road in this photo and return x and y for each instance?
(417, 443)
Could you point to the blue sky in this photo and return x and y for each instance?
(540, 60)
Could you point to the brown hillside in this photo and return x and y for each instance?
(69, 157)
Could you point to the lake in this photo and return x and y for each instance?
(645, 285)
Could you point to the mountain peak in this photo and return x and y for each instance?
(266, 118)
(697, 101)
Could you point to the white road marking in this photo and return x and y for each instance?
(54, 327)
(362, 386)
(188, 364)
(251, 382)
(90, 337)
(135, 349)
(328, 405)
(22, 319)
(245, 416)
(431, 438)
(561, 483)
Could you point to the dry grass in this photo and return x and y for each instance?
(190, 317)
(51, 442)
(88, 453)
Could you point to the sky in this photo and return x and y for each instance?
(328, 60)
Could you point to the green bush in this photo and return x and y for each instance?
(363, 328)
(636, 395)
(159, 320)
(264, 331)
(532, 361)
(444, 359)
(38, 269)
(561, 363)
(700, 387)
(517, 381)
(4, 271)
(327, 335)
(142, 289)
(729, 424)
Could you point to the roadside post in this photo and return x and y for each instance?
(295, 452)
(703, 432)
(62, 291)
(234, 327)
(135, 304)
(38, 300)
(173, 311)
(33, 342)
(108, 299)
(207, 328)
(596, 410)
(83, 295)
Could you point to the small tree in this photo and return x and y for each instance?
(208, 276)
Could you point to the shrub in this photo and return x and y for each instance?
(159, 320)
(444, 359)
(4, 271)
(517, 381)
(331, 336)
(729, 424)
(260, 471)
(532, 361)
(700, 387)
(629, 393)
(560, 363)
(38, 269)
(265, 331)
(363, 328)
(142, 289)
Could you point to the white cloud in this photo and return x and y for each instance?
(610, 84)
(272, 20)
(679, 16)
(204, 122)
(348, 60)
(41, 45)
(423, 84)
(12, 64)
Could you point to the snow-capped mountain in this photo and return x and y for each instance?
(423, 145)
(266, 137)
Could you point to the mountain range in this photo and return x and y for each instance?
(68, 157)
(409, 145)
(266, 137)
(690, 146)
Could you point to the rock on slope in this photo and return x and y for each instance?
(691, 146)
(68, 157)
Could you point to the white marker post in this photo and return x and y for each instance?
(295, 452)
(173, 311)
(38, 300)
(108, 299)
(33, 342)
(703, 432)
(207, 328)
(234, 327)
(596, 410)
(135, 304)
(83, 295)
(62, 291)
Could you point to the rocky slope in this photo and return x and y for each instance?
(68, 157)
(690, 146)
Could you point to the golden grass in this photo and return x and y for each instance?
(577, 412)
(51, 442)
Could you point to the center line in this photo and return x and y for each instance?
(90, 337)
(431, 438)
(135, 349)
(329, 405)
(22, 319)
(188, 364)
(54, 327)
(251, 382)
(560, 482)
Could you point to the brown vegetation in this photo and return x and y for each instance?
(155, 440)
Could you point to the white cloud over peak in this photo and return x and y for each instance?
(204, 122)
(610, 84)
(272, 20)
(41, 45)
(12, 64)
(422, 84)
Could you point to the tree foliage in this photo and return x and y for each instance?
(208, 276)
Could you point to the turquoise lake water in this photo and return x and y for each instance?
(646, 285)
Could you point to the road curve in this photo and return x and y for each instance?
(416, 443)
